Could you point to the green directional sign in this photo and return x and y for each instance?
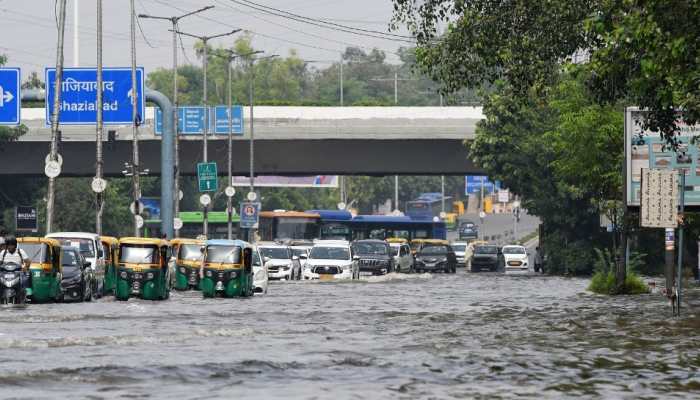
(207, 177)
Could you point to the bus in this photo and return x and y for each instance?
(192, 225)
(280, 224)
(342, 225)
(426, 206)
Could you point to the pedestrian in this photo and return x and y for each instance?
(538, 260)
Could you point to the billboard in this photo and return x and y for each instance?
(26, 219)
(646, 149)
(318, 181)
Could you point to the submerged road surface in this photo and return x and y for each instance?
(394, 337)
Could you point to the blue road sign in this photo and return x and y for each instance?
(10, 97)
(473, 184)
(250, 212)
(79, 95)
(218, 120)
(190, 120)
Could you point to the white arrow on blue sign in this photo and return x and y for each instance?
(219, 122)
(79, 95)
(10, 97)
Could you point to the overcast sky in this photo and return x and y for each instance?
(28, 30)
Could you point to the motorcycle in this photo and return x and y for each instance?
(12, 290)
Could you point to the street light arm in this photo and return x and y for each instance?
(154, 17)
(194, 12)
(188, 34)
(224, 34)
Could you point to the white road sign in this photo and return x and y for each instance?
(98, 185)
(52, 169)
(659, 198)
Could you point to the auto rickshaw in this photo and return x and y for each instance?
(45, 270)
(110, 246)
(417, 244)
(143, 269)
(188, 263)
(227, 269)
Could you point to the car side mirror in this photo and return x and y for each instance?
(356, 258)
(295, 258)
(267, 259)
(87, 264)
(303, 257)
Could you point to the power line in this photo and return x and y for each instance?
(319, 23)
(370, 31)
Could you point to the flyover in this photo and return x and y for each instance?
(288, 141)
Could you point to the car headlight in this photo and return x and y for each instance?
(208, 274)
(149, 275)
(234, 274)
(183, 270)
(123, 274)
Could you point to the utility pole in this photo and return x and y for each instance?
(136, 182)
(174, 21)
(50, 196)
(205, 63)
(396, 80)
(341, 79)
(396, 192)
(230, 56)
(251, 92)
(100, 124)
(76, 32)
(442, 184)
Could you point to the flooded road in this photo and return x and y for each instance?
(395, 337)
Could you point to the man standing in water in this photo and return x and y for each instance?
(538, 260)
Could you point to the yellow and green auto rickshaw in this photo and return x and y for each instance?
(187, 254)
(227, 269)
(110, 247)
(46, 270)
(143, 269)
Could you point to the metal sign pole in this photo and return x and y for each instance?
(680, 247)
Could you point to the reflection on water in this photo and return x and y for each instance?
(394, 337)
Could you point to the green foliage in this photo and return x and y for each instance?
(604, 283)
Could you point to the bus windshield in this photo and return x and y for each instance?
(224, 254)
(295, 228)
(85, 246)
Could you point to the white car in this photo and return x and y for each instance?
(260, 278)
(515, 259)
(403, 260)
(460, 249)
(331, 259)
(90, 247)
(280, 262)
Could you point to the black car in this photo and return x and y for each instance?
(468, 231)
(436, 257)
(78, 281)
(486, 257)
(373, 256)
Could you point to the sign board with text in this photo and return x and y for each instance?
(474, 184)
(79, 96)
(645, 149)
(218, 120)
(207, 177)
(190, 120)
(26, 219)
(250, 213)
(659, 198)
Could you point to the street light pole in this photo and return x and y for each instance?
(100, 125)
(135, 125)
(176, 187)
(341, 79)
(56, 110)
(205, 153)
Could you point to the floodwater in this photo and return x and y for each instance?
(485, 336)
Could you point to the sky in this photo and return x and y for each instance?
(29, 32)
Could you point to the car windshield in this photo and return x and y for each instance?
(190, 252)
(459, 247)
(330, 253)
(69, 261)
(513, 250)
(138, 254)
(37, 252)
(256, 259)
(434, 250)
(275, 252)
(86, 247)
(486, 250)
(224, 254)
(370, 248)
